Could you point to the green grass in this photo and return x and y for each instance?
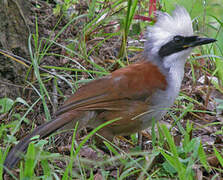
(165, 158)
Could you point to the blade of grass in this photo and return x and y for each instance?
(131, 8)
(30, 161)
(219, 156)
(43, 90)
(92, 133)
(203, 158)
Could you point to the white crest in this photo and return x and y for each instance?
(167, 27)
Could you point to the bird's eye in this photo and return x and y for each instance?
(178, 39)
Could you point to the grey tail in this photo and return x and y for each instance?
(44, 130)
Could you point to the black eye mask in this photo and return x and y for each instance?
(178, 43)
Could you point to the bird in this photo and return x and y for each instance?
(135, 94)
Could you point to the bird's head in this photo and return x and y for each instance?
(171, 39)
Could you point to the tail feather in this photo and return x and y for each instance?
(43, 130)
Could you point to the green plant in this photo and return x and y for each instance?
(182, 159)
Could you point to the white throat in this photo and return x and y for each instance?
(174, 67)
(163, 100)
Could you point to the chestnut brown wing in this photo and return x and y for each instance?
(134, 82)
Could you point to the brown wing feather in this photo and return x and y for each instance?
(135, 81)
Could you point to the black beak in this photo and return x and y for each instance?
(201, 41)
(180, 43)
